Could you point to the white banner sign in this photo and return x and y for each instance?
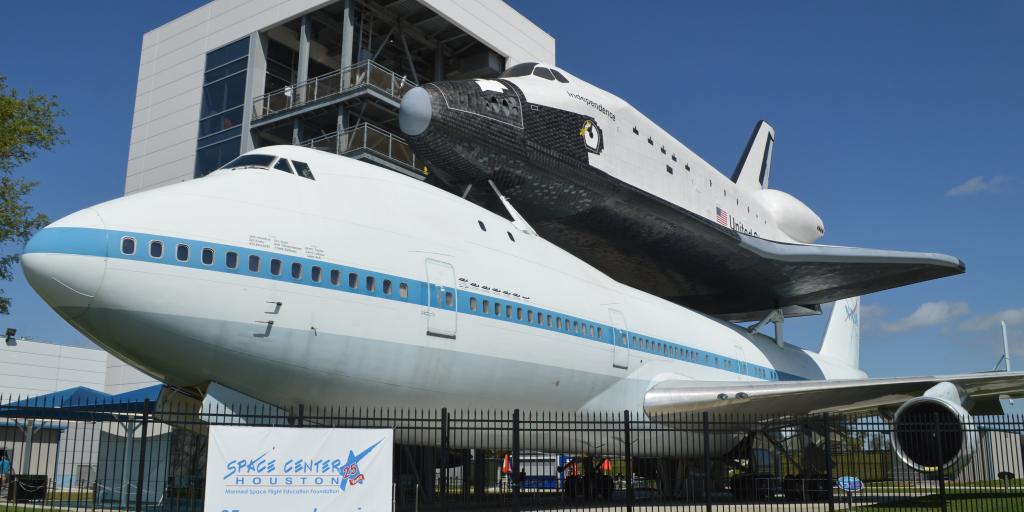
(256, 469)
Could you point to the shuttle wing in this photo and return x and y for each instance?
(648, 243)
(815, 274)
(817, 396)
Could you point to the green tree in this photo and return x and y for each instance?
(28, 124)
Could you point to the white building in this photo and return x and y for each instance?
(234, 75)
(65, 451)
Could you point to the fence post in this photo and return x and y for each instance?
(942, 469)
(142, 457)
(515, 460)
(444, 458)
(628, 437)
(707, 462)
(828, 465)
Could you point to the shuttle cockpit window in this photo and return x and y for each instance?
(559, 76)
(257, 161)
(523, 69)
(544, 73)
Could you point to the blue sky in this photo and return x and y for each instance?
(899, 123)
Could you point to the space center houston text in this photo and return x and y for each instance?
(270, 468)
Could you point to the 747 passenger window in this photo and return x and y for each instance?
(254, 263)
(231, 259)
(207, 256)
(156, 249)
(128, 245)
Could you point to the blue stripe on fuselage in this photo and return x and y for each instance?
(107, 243)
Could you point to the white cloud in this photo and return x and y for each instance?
(975, 185)
(927, 315)
(985, 322)
(871, 316)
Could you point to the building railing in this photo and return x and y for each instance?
(365, 74)
(366, 137)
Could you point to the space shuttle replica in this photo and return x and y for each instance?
(591, 174)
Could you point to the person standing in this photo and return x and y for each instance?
(5, 471)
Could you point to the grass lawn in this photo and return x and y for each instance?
(29, 507)
(955, 501)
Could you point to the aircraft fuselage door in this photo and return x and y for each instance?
(442, 298)
(620, 342)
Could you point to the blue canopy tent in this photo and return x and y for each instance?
(76, 404)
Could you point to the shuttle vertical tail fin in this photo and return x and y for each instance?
(755, 166)
(841, 342)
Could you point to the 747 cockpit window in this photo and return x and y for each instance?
(282, 165)
(258, 161)
(303, 170)
(268, 162)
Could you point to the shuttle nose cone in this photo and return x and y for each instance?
(415, 112)
(65, 262)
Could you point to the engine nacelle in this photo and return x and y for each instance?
(927, 445)
(793, 217)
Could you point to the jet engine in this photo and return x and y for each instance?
(933, 432)
(793, 217)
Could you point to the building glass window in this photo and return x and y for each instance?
(223, 100)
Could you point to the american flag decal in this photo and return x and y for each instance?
(723, 217)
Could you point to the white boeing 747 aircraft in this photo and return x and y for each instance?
(297, 276)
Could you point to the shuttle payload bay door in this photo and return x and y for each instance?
(620, 340)
(441, 300)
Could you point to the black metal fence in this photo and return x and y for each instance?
(137, 456)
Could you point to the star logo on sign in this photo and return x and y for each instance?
(350, 471)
